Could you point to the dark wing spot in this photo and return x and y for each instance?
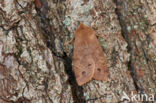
(83, 73)
(98, 69)
(89, 65)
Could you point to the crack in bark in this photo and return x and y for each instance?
(50, 36)
(72, 81)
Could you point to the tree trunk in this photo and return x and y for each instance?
(36, 56)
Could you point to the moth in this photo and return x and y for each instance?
(89, 60)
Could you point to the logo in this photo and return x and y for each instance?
(137, 97)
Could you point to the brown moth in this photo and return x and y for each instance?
(89, 60)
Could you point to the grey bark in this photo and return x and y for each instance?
(36, 65)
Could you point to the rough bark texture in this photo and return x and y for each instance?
(36, 65)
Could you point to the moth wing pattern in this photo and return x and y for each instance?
(84, 70)
(89, 60)
(101, 71)
(84, 64)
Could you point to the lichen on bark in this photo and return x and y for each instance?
(36, 65)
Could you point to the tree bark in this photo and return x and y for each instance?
(36, 58)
